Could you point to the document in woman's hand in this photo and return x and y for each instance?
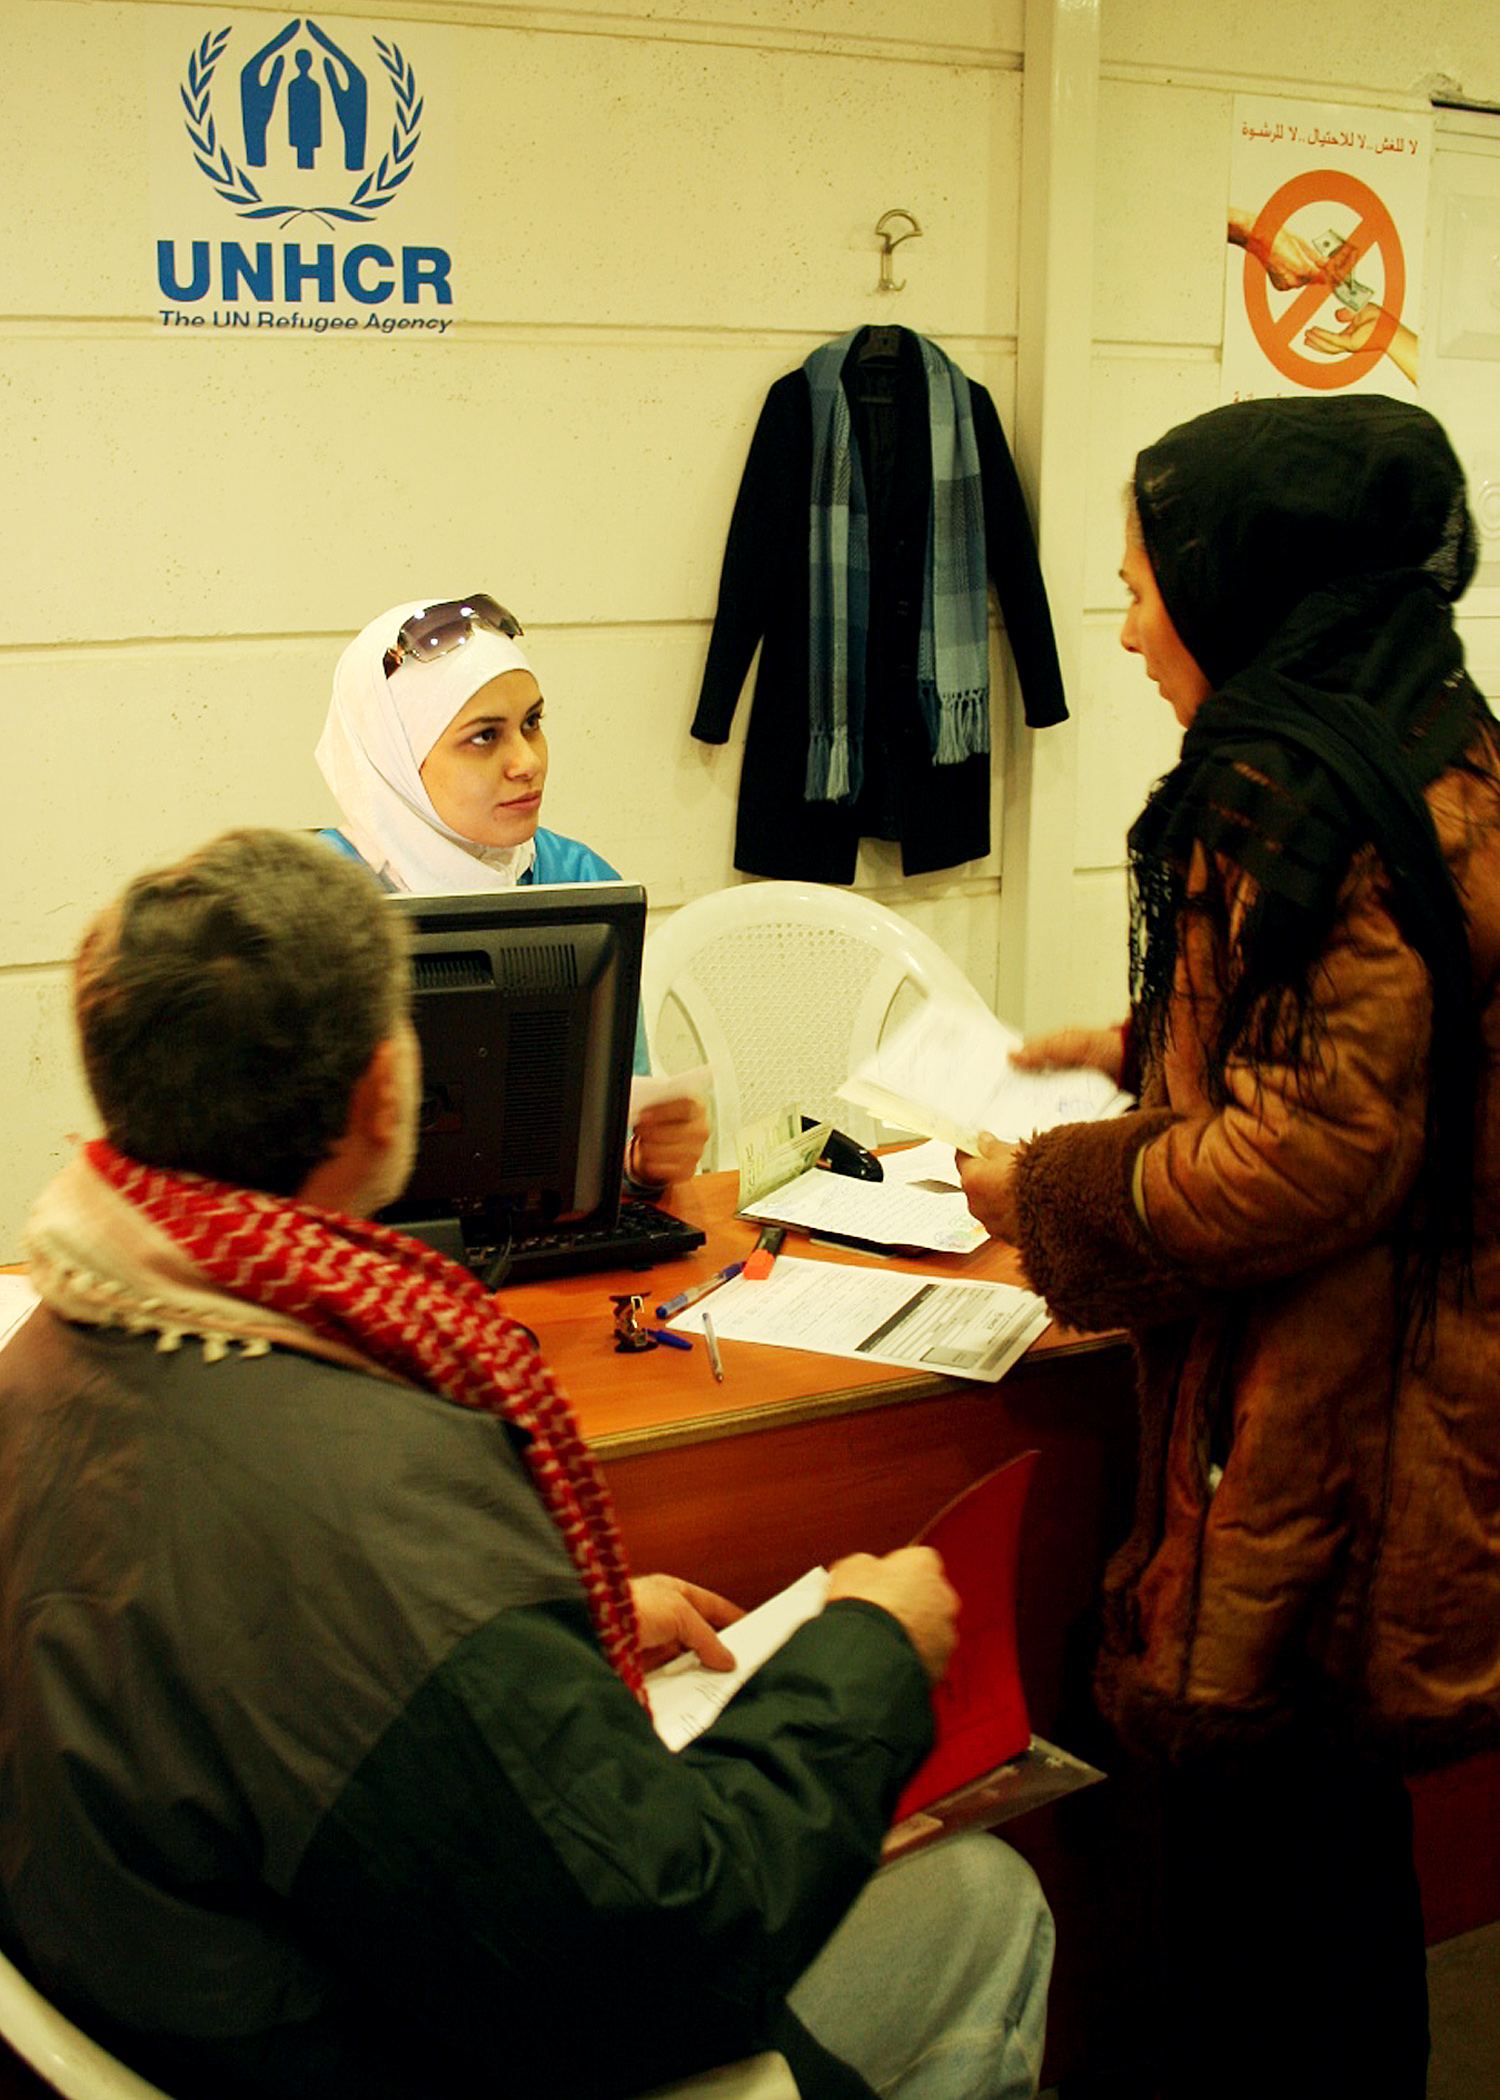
(946, 1073)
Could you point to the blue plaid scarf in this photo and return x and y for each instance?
(953, 670)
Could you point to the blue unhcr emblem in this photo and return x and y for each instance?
(345, 89)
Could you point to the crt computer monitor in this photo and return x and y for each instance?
(525, 1005)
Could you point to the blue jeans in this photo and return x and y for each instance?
(934, 1987)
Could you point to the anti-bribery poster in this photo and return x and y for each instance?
(1327, 225)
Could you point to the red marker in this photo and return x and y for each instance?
(767, 1247)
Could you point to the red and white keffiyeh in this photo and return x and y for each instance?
(114, 1243)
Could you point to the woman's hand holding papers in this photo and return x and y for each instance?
(989, 1175)
(1066, 1049)
(911, 1586)
(675, 1616)
(989, 1185)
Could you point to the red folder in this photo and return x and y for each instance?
(979, 1706)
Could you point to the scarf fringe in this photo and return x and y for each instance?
(828, 766)
(963, 725)
(84, 1295)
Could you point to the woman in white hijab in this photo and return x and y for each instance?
(436, 755)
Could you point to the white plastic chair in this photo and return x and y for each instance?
(766, 2077)
(79, 2069)
(783, 987)
(58, 2051)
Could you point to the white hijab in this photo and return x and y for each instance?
(379, 731)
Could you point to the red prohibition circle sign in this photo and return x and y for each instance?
(1374, 227)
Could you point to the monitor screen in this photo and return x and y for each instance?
(525, 1005)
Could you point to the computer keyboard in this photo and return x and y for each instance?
(642, 1236)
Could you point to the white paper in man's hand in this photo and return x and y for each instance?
(686, 1696)
(649, 1091)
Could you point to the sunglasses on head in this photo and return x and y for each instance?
(436, 630)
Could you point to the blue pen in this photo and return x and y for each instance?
(673, 1341)
(699, 1290)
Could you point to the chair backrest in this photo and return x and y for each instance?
(783, 987)
(766, 2077)
(58, 2051)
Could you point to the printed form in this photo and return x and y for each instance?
(880, 1316)
(891, 1213)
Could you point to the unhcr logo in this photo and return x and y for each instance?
(304, 132)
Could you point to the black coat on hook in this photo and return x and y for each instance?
(940, 814)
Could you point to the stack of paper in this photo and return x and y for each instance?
(887, 1213)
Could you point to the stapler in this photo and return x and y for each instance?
(841, 1155)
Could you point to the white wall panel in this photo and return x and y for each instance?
(732, 188)
(1098, 960)
(1160, 213)
(978, 25)
(1127, 738)
(120, 759)
(1379, 46)
(1135, 397)
(292, 488)
(46, 1103)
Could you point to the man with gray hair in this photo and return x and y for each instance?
(324, 1763)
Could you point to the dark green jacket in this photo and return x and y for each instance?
(313, 1780)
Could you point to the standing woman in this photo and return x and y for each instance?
(436, 755)
(1300, 1226)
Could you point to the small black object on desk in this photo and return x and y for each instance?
(841, 1155)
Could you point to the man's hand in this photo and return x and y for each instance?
(667, 1142)
(1290, 261)
(988, 1178)
(1102, 1049)
(675, 1615)
(911, 1586)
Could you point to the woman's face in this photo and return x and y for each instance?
(486, 772)
(1148, 633)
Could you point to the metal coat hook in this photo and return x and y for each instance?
(888, 243)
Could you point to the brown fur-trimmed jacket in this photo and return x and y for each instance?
(1310, 1530)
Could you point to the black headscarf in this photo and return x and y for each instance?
(1308, 552)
